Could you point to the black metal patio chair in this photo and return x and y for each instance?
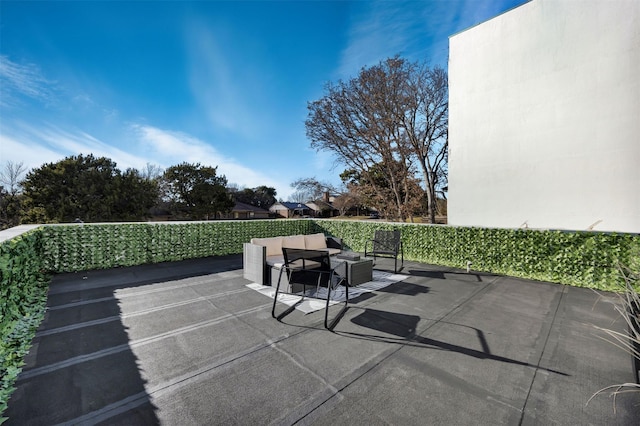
(311, 268)
(386, 244)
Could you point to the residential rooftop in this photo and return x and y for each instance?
(189, 343)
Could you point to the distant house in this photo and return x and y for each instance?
(322, 208)
(289, 209)
(247, 211)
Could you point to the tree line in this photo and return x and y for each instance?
(92, 189)
(388, 127)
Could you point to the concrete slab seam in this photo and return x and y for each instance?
(542, 351)
(168, 386)
(110, 351)
(134, 314)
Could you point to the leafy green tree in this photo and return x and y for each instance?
(211, 199)
(136, 195)
(262, 196)
(265, 197)
(11, 209)
(86, 187)
(196, 192)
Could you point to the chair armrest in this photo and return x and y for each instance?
(334, 242)
(339, 268)
(336, 275)
(254, 261)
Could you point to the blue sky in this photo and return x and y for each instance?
(220, 83)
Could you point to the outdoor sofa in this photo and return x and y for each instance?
(263, 258)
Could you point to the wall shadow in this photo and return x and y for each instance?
(81, 369)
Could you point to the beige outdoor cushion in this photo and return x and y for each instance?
(293, 241)
(275, 261)
(273, 245)
(315, 241)
(308, 264)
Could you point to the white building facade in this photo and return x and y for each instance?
(544, 118)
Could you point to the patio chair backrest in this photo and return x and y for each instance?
(310, 267)
(386, 241)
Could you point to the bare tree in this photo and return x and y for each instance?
(152, 172)
(315, 188)
(391, 119)
(300, 197)
(425, 120)
(360, 121)
(346, 201)
(10, 176)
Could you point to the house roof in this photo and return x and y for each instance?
(293, 206)
(322, 204)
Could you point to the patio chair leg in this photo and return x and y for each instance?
(275, 301)
(342, 311)
(275, 296)
(395, 264)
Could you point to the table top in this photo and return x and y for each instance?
(359, 260)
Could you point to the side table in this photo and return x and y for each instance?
(358, 271)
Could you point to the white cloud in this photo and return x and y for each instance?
(17, 80)
(382, 32)
(30, 154)
(418, 30)
(227, 90)
(35, 146)
(170, 148)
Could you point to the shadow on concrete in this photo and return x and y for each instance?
(79, 356)
(405, 288)
(404, 326)
(442, 275)
(81, 368)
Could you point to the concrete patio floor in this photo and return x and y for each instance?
(188, 343)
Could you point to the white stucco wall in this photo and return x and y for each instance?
(545, 118)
